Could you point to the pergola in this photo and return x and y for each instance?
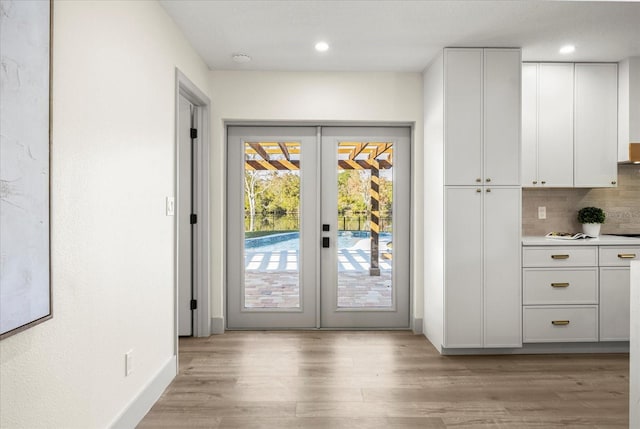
(373, 156)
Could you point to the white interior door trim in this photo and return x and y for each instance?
(202, 237)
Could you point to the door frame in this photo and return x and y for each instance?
(415, 325)
(202, 234)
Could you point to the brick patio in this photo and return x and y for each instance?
(271, 280)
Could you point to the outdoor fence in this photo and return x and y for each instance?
(291, 222)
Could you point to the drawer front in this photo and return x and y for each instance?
(586, 256)
(560, 286)
(553, 324)
(618, 256)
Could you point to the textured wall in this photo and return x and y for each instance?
(621, 205)
(113, 158)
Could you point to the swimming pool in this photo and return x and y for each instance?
(291, 241)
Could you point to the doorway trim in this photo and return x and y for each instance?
(202, 237)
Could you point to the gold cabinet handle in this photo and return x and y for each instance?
(535, 182)
(626, 255)
(478, 180)
(489, 190)
(543, 182)
(478, 190)
(559, 322)
(559, 284)
(559, 256)
(613, 182)
(488, 179)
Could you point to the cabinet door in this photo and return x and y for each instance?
(463, 267)
(555, 125)
(501, 130)
(530, 124)
(614, 304)
(463, 116)
(502, 267)
(596, 125)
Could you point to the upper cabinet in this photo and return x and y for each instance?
(482, 116)
(596, 125)
(569, 121)
(547, 124)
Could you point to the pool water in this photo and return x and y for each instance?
(346, 240)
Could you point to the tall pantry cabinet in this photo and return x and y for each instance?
(477, 105)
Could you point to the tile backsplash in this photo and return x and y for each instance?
(621, 205)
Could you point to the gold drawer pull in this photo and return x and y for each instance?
(626, 255)
(559, 322)
(559, 256)
(559, 284)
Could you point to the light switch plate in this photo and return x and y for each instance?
(170, 206)
(128, 363)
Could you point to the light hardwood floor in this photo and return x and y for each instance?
(388, 380)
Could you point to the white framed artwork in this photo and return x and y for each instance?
(25, 80)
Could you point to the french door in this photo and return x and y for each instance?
(318, 227)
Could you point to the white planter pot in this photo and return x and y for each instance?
(591, 229)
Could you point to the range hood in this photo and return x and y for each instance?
(629, 111)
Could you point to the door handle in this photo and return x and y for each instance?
(325, 241)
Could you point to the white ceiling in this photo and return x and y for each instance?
(399, 35)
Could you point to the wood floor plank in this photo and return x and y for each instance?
(333, 379)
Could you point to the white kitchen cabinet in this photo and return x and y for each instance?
(596, 125)
(615, 292)
(472, 293)
(569, 125)
(463, 267)
(584, 287)
(547, 124)
(482, 116)
(482, 267)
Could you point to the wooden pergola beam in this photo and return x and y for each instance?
(260, 151)
(285, 151)
(284, 165)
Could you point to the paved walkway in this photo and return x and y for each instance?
(271, 280)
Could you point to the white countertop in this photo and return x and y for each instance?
(603, 240)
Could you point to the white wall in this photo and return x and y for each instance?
(112, 245)
(315, 97)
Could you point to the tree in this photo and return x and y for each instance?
(254, 186)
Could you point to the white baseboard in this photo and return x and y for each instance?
(417, 326)
(217, 325)
(142, 403)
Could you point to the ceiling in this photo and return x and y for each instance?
(399, 35)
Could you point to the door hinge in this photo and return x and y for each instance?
(194, 133)
(194, 304)
(194, 218)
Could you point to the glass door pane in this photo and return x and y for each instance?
(272, 224)
(365, 226)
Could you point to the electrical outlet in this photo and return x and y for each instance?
(170, 206)
(128, 363)
(542, 212)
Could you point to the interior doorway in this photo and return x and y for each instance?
(192, 209)
(318, 227)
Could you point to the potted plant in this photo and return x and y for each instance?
(591, 218)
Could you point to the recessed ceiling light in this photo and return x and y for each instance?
(322, 46)
(567, 49)
(241, 58)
